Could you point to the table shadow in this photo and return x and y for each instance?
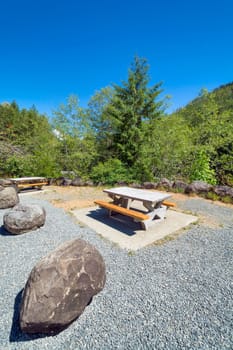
(118, 222)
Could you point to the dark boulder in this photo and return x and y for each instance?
(24, 218)
(77, 182)
(165, 183)
(198, 187)
(8, 197)
(67, 182)
(224, 191)
(150, 185)
(179, 185)
(60, 286)
(136, 185)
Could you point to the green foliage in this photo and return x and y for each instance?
(110, 172)
(200, 169)
(123, 135)
(131, 106)
(212, 196)
(27, 146)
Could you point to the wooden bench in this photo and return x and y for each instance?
(34, 184)
(121, 210)
(169, 204)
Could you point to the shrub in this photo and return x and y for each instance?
(110, 172)
(201, 170)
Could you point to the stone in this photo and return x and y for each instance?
(8, 197)
(179, 185)
(24, 218)
(67, 182)
(150, 185)
(77, 182)
(165, 183)
(223, 191)
(60, 286)
(6, 182)
(198, 187)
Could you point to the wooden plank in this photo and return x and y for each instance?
(25, 185)
(124, 211)
(169, 204)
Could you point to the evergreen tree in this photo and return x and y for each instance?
(132, 108)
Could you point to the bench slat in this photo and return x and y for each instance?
(128, 212)
(169, 204)
(31, 184)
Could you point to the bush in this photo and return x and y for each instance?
(110, 172)
(200, 169)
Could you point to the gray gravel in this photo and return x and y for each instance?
(172, 296)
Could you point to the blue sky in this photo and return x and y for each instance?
(51, 49)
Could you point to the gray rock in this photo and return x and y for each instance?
(178, 184)
(67, 182)
(198, 187)
(149, 185)
(6, 182)
(24, 218)
(60, 286)
(165, 183)
(223, 191)
(77, 182)
(8, 197)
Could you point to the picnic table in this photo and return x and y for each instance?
(153, 202)
(29, 182)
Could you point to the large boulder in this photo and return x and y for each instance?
(60, 286)
(24, 218)
(8, 197)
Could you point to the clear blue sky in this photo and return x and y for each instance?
(50, 49)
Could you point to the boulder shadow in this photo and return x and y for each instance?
(4, 232)
(16, 335)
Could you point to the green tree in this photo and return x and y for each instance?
(132, 107)
(76, 149)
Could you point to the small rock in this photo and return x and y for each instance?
(60, 286)
(24, 218)
(8, 197)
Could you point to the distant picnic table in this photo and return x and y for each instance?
(29, 182)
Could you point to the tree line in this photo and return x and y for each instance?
(124, 134)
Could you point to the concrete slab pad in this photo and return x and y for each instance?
(127, 233)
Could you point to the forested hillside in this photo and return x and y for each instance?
(123, 135)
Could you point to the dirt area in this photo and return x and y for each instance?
(71, 197)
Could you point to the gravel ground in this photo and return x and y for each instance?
(172, 296)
